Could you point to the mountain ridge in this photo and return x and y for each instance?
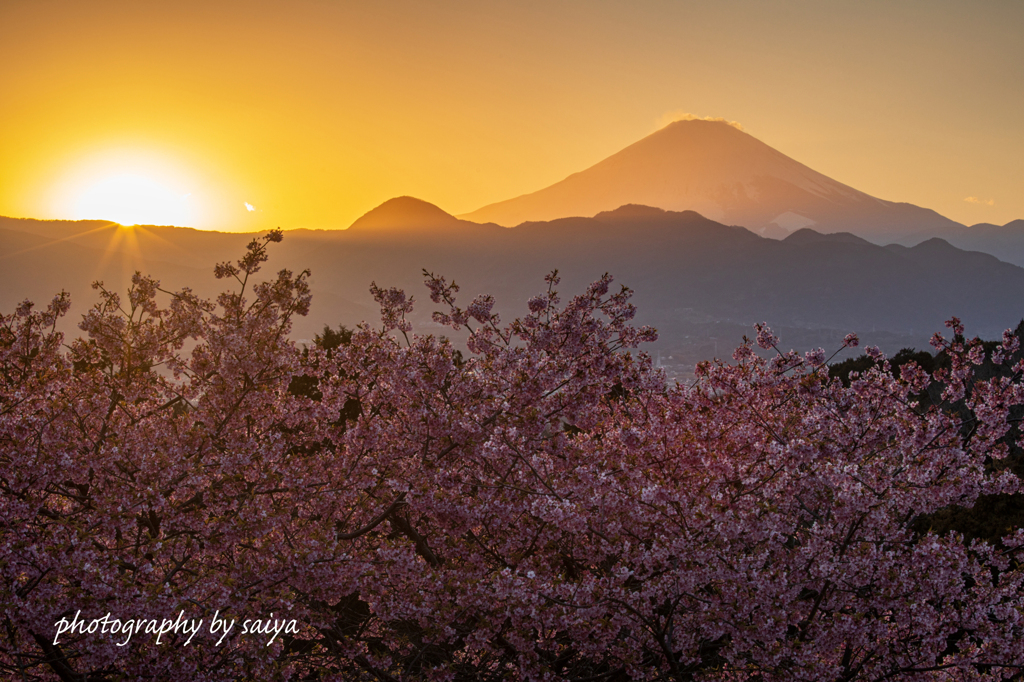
(691, 275)
(724, 174)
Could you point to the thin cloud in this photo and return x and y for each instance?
(679, 115)
(249, 207)
(983, 202)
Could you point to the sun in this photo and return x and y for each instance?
(134, 199)
(130, 185)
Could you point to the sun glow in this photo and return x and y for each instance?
(130, 187)
(131, 199)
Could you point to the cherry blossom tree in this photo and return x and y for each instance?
(545, 508)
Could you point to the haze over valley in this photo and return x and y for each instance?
(812, 257)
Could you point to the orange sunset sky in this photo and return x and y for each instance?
(314, 111)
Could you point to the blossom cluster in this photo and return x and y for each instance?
(546, 508)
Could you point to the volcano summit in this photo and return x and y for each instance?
(724, 174)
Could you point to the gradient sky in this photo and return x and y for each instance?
(315, 111)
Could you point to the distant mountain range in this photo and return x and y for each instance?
(713, 229)
(724, 174)
(691, 275)
(729, 176)
(1003, 241)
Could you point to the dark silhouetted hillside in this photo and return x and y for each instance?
(689, 273)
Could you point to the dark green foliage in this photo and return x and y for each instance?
(306, 385)
(992, 516)
(330, 339)
(927, 361)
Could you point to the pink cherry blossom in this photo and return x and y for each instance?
(546, 508)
